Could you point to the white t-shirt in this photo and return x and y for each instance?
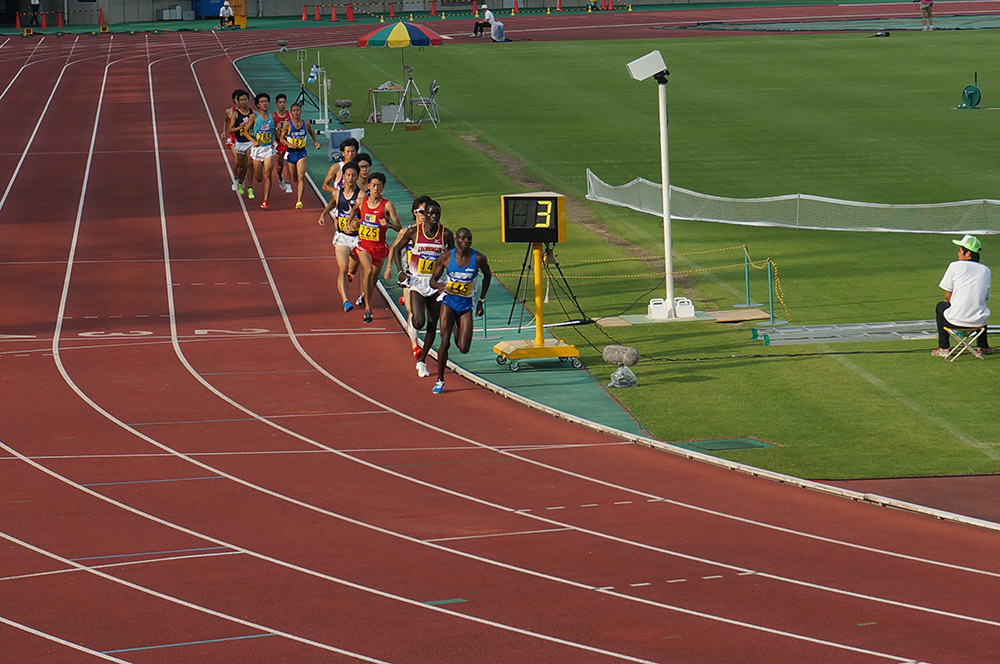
(225, 11)
(488, 16)
(969, 283)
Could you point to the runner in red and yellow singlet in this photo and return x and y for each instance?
(372, 216)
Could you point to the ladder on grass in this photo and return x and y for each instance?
(906, 330)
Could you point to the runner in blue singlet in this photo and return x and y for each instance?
(455, 278)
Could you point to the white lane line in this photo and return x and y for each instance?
(491, 535)
(190, 605)
(74, 570)
(62, 642)
(34, 132)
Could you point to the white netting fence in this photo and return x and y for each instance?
(802, 210)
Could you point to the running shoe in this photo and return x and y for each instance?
(236, 184)
(402, 302)
(298, 206)
(250, 192)
(422, 370)
(347, 306)
(263, 205)
(368, 316)
(940, 352)
(416, 352)
(360, 302)
(438, 387)
(986, 351)
(286, 187)
(239, 188)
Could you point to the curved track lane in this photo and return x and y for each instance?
(247, 476)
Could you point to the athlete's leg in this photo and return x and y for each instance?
(447, 323)
(464, 337)
(433, 308)
(344, 260)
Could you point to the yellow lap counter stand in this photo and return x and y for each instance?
(239, 13)
(537, 218)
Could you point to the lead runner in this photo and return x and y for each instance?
(459, 268)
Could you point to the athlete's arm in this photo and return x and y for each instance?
(396, 250)
(390, 210)
(331, 175)
(312, 133)
(484, 267)
(439, 272)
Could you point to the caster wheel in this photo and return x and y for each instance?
(563, 359)
(501, 359)
(515, 365)
(577, 363)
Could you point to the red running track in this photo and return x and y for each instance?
(204, 461)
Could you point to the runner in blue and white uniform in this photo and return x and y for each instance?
(293, 135)
(455, 279)
(345, 238)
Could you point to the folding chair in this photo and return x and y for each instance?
(428, 105)
(964, 338)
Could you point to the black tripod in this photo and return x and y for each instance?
(306, 97)
(548, 259)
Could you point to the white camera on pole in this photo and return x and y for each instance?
(648, 65)
(651, 65)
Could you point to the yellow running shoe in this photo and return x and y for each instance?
(298, 206)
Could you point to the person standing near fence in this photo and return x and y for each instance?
(36, 6)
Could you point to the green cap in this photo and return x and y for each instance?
(969, 242)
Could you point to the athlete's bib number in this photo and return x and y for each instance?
(368, 232)
(297, 142)
(426, 264)
(342, 224)
(462, 288)
(263, 137)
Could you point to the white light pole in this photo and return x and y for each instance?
(652, 65)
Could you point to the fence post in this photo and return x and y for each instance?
(746, 281)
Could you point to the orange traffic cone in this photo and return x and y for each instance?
(515, 10)
(333, 13)
(44, 25)
(59, 21)
(350, 13)
(392, 10)
(100, 16)
(305, 16)
(434, 11)
(317, 17)
(17, 21)
(559, 6)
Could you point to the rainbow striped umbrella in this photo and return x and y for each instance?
(399, 35)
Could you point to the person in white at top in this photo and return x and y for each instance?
(966, 285)
(486, 23)
(225, 15)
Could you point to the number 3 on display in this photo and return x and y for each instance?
(545, 215)
(534, 217)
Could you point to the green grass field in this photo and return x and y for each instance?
(834, 115)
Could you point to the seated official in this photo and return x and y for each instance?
(485, 24)
(966, 285)
(226, 18)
